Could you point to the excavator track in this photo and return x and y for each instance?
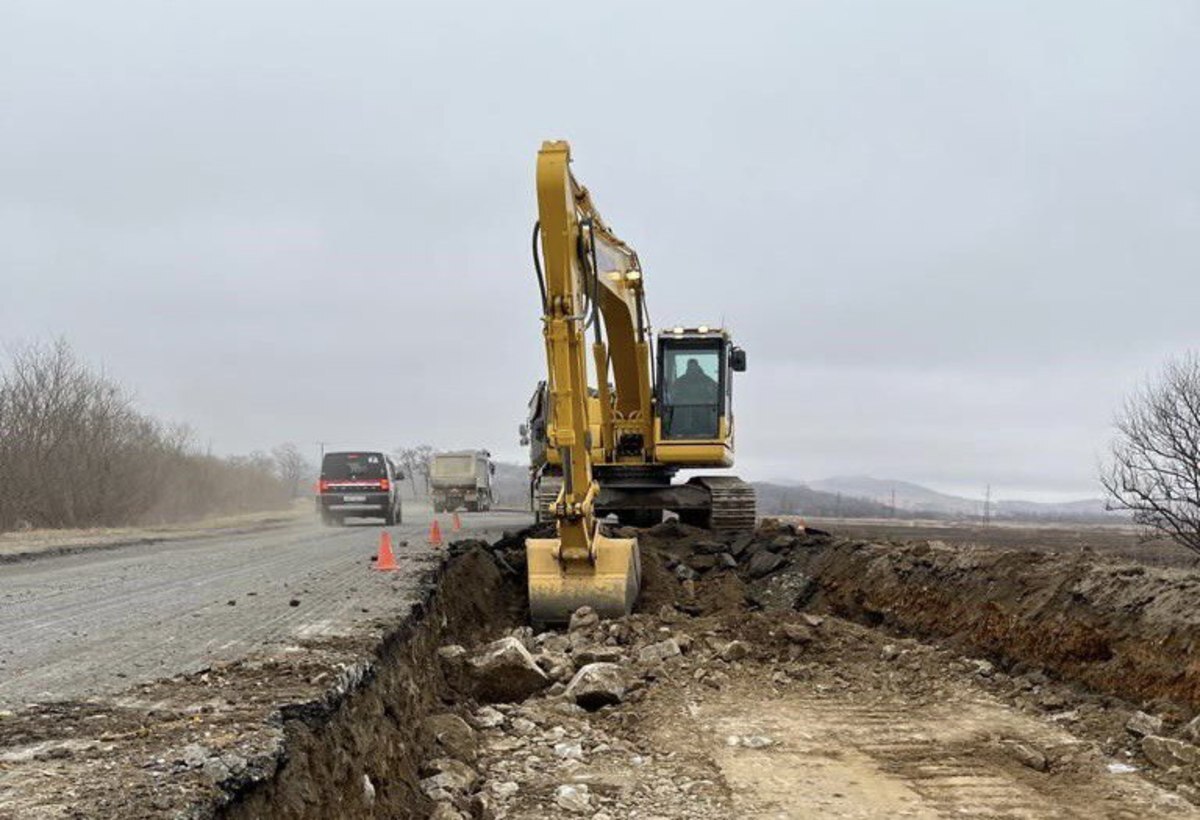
(545, 494)
(734, 506)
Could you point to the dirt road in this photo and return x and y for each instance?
(96, 622)
(852, 727)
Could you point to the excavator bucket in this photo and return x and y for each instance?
(609, 584)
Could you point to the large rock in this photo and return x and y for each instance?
(709, 547)
(1166, 752)
(764, 563)
(556, 665)
(573, 798)
(661, 651)
(735, 651)
(583, 618)
(505, 672)
(739, 544)
(597, 654)
(444, 810)
(445, 774)
(797, 633)
(1142, 724)
(452, 736)
(1192, 730)
(596, 685)
(781, 543)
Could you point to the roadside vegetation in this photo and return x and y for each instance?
(76, 452)
(1154, 470)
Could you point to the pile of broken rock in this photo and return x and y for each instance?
(526, 703)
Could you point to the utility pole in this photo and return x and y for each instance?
(987, 506)
(893, 502)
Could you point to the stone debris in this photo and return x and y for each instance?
(573, 798)
(505, 672)
(447, 775)
(764, 563)
(1143, 724)
(583, 618)
(1191, 731)
(1029, 757)
(488, 717)
(452, 736)
(1166, 752)
(661, 651)
(597, 685)
(568, 751)
(735, 651)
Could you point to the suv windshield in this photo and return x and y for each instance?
(352, 466)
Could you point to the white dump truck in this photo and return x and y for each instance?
(462, 479)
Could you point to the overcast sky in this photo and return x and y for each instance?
(951, 236)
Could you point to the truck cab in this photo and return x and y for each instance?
(462, 480)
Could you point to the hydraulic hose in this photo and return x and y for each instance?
(537, 266)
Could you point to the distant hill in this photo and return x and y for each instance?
(857, 497)
(798, 499)
(909, 497)
(916, 499)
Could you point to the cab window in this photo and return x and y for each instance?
(691, 395)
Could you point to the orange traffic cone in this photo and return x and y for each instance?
(456, 523)
(435, 534)
(385, 559)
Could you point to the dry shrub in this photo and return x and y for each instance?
(74, 452)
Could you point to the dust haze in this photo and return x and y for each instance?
(950, 237)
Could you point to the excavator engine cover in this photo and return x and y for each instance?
(608, 584)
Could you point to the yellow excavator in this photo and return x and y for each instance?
(613, 448)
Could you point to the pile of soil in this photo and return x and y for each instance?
(1115, 627)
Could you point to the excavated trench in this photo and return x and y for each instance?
(1115, 627)
(1118, 629)
(358, 754)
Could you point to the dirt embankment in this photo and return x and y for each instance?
(1118, 628)
(359, 756)
(325, 728)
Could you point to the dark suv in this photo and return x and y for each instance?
(359, 485)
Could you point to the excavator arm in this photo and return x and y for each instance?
(590, 281)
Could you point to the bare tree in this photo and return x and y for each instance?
(416, 462)
(1155, 466)
(291, 466)
(74, 452)
(425, 455)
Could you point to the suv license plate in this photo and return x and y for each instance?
(354, 499)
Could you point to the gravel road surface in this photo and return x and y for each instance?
(92, 623)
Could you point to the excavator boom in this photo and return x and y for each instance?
(581, 565)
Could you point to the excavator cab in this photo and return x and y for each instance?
(694, 395)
